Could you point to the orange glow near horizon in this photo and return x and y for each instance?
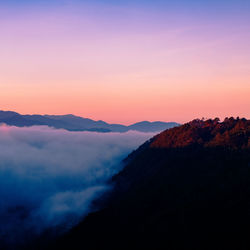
(126, 105)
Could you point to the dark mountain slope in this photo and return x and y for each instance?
(76, 123)
(187, 188)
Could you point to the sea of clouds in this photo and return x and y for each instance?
(49, 177)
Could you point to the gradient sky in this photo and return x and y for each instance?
(126, 61)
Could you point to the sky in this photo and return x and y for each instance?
(126, 61)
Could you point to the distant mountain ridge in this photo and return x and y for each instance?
(76, 123)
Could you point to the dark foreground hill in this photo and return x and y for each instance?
(187, 188)
(76, 123)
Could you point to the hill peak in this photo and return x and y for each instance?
(231, 132)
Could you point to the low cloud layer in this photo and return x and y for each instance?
(49, 177)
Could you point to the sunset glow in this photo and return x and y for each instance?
(126, 62)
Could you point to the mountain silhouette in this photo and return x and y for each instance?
(76, 123)
(186, 188)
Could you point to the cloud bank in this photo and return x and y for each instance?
(49, 178)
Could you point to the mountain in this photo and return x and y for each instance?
(186, 188)
(76, 123)
(146, 126)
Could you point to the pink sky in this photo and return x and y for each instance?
(123, 65)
